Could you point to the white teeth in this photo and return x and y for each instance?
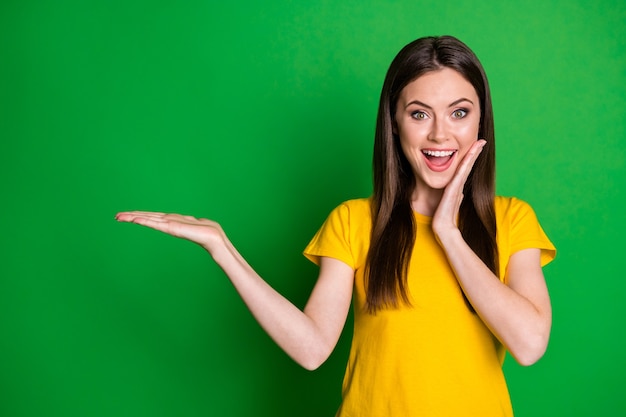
(438, 154)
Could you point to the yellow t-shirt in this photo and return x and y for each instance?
(435, 357)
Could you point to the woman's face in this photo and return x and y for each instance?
(437, 119)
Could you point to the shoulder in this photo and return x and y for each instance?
(518, 228)
(344, 234)
(358, 204)
(504, 204)
(356, 209)
(511, 208)
(513, 213)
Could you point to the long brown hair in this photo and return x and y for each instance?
(393, 224)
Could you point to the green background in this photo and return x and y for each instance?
(261, 115)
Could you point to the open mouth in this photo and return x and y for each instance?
(438, 160)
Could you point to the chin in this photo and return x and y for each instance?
(438, 184)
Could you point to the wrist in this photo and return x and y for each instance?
(218, 247)
(447, 236)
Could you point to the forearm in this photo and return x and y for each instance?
(307, 338)
(522, 326)
(295, 332)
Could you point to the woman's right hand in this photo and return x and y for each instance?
(307, 336)
(204, 232)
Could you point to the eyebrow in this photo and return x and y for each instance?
(454, 103)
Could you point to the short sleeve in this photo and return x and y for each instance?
(333, 238)
(525, 232)
(344, 235)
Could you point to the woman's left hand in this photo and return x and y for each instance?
(518, 313)
(446, 215)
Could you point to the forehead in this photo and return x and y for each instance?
(445, 85)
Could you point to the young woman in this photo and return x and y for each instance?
(445, 276)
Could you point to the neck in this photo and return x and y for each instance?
(426, 201)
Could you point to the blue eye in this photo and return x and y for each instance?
(459, 113)
(419, 115)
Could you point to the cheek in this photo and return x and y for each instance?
(405, 148)
(468, 135)
(411, 134)
(469, 131)
(410, 150)
(410, 144)
(466, 138)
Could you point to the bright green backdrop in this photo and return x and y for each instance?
(261, 115)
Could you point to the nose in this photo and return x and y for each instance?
(438, 132)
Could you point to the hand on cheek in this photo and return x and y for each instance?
(446, 215)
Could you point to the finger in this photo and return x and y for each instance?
(141, 213)
(134, 218)
(154, 222)
(130, 215)
(144, 221)
(169, 227)
(472, 155)
(125, 215)
(468, 162)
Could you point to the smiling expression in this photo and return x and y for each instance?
(437, 119)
